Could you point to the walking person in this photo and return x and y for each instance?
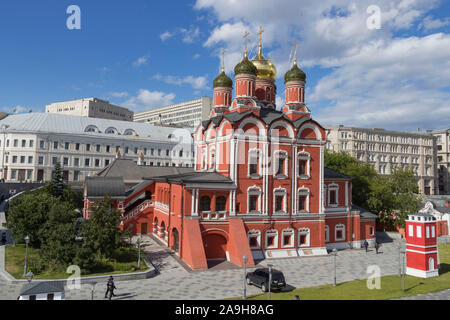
(377, 246)
(110, 288)
(3, 238)
(366, 244)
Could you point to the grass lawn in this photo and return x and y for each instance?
(391, 286)
(124, 262)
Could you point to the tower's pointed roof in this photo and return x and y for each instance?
(295, 74)
(222, 80)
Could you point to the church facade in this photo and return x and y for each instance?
(259, 187)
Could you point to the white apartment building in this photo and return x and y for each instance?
(189, 113)
(90, 107)
(443, 159)
(31, 144)
(386, 150)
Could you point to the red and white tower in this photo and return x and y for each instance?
(421, 246)
(223, 90)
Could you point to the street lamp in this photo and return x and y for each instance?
(244, 259)
(335, 254)
(404, 267)
(29, 276)
(93, 289)
(270, 279)
(27, 240)
(139, 251)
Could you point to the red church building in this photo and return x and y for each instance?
(259, 187)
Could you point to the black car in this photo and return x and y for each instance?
(260, 278)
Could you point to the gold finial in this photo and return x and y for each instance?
(260, 33)
(223, 60)
(246, 34)
(295, 52)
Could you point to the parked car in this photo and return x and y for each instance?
(260, 278)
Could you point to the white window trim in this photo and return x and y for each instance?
(302, 191)
(411, 230)
(287, 232)
(281, 154)
(254, 234)
(427, 231)
(303, 155)
(254, 191)
(280, 192)
(204, 164)
(271, 232)
(327, 233)
(212, 155)
(419, 231)
(433, 231)
(302, 232)
(259, 156)
(333, 187)
(337, 227)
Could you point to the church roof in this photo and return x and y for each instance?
(363, 213)
(331, 174)
(41, 287)
(98, 187)
(195, 177)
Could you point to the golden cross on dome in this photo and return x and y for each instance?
(260, 33)
(295, 51)
(246, 34)
(223, 60)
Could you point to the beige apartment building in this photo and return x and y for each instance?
(443, 159)
(90, 107)
(189, 113)
(386, 150)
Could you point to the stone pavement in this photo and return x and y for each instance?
(442, 295)
(174, 282)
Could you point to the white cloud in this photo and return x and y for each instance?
(118, 94)
(195, 82)
(190, 35)
(429, 23)
(375, 77)
(140, 61)
(17, 109)
(196, 56)
(165, 35)
(146, 99)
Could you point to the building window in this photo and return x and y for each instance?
(410, 231)
(22, 159)
(77, 146)
(254, 163)
(288, 238)
(303, 200)
(281, 159)
(67, 145)
(29, 174)
(13, 174)
(271, 239)
(14, 159)
(30, 159)
(280, 196)
(253, 200)
(41, 160)
(24, 143)
(167, 152)
(76, 175)
(107, 162)
(66, 161)
(54, 160)
(88, 147)
(303, 170)
(76, 162)
(220, 203)
(205, 203)
(427, 231)
(433, 231)
(55, 145)
(333, 195)
(372, 231)
(254, 239)
(339, 232)
(108, 149)
(98, 148)
(42, 144)
(303, 237)
(419, 231)
(87, 162)
(97, 162)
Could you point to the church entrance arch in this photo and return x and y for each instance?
(215, 244)
(176, 240)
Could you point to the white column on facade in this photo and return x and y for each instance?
(294, 180)
(321, 202)
(346, 193)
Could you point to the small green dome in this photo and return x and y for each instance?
(295, 74)
(223, 80)
(245, 66)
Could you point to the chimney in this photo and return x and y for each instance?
(141, 159)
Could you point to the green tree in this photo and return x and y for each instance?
(28, 214)
(101, 231)
(362, 174)
(395, 196)
(57, 181)
(58, 236)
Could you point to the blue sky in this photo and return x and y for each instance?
(142, 54)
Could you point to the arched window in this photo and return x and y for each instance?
(205, 203)
(130, 132)
(111, 130)
(91, 129)
(271, 239)
(220, 203)
(254, 239)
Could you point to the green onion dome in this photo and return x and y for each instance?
(245, 66)
(223, 80)
(295, 74)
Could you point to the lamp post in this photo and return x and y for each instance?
(244, 259)
(93, 289)
(335, 254)
(270, 279)
(399, 258)
(404, 267)
(139, 251)
(27, 240)
(4, 127)
(29, 276)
